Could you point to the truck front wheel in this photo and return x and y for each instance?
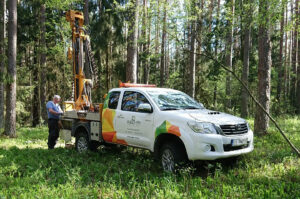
(82, 142)
(171, 157)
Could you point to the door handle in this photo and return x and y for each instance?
(120, 116)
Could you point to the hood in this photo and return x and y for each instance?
(205, 115)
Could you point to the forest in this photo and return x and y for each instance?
(236, 56)
(175, 44)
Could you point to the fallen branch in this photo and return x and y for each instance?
(247, 89)
(254, 99)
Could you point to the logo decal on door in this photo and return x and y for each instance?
(133, 122)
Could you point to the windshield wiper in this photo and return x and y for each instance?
(191, 107)
(170, 108)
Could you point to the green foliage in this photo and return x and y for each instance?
(29, 170)
(108, 28)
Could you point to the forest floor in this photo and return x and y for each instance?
(29, 170)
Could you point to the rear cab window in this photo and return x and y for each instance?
(113, 99)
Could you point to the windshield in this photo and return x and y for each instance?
(173, 100)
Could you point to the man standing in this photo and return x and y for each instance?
(54, 111)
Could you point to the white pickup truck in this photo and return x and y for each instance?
(167, 122)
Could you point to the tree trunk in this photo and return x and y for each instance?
(36, 100)
(211, 9)
(285, 57)
(280, 65)
(157, 35)
(199, 45)
(216, 51)
(107, 69)
(43, 81)
(229, 49)
(290, 53)
(167, 58)
(245, 75)
(246, 53)
(217, 27)
(192, 61)
(131, 67)
(144, 53)
(10, 125)
(294, 57)
(261, 122)
(290, 65)
(297, 101)
(100, 7)
(147, 64)
(163, 46)
(86, 12)
(2, 60)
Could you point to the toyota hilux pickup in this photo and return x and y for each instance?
(167, 122)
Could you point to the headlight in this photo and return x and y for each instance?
(202, 127)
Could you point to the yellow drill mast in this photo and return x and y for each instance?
(79, 54)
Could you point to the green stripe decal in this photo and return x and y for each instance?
(161, 129)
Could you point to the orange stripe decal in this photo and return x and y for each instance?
(174, 130)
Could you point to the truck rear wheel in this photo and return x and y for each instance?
(82, 142)
(172, 156)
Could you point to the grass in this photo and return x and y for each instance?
(29, 170)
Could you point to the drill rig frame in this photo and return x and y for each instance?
(81, 108)
(83, 64)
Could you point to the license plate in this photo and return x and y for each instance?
(239, 142)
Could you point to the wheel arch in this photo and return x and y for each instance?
(165, 138)
(81, 127)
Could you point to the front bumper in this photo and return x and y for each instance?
(220, 146)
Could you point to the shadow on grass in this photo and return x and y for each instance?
(61, 165)
(130, 169)
(205, 168)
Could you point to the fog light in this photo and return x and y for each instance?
(206, 148)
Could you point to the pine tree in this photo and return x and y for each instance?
(131, 67)
(2, 60)
(10, 125)
(261, 122)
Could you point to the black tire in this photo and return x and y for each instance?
(82, 142)
(172, 157)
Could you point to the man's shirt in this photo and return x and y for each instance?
(55, 107)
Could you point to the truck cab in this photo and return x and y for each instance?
(170, 124)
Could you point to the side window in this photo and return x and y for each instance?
(113, 99)
(132, 100)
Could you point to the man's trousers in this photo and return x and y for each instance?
(53, 132)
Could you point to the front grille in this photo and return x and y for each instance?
(234, 129)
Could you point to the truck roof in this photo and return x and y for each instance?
(142, 89)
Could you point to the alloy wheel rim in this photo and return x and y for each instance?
(82, 145)
(168, 160)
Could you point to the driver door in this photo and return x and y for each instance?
(135, 126)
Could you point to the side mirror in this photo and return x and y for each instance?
(146, 108)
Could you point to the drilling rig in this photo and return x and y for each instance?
(84, 70)
(80, 111)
